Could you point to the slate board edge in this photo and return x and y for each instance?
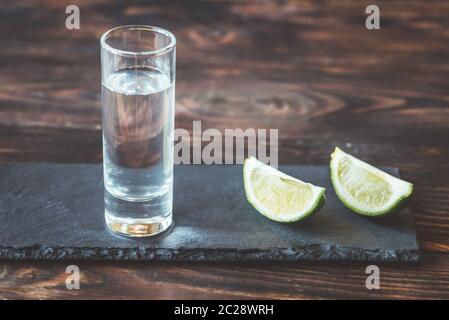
(309, 253)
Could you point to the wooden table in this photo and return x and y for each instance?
(309, 68)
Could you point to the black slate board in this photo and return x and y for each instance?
(55, 211)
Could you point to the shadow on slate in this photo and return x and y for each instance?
(55, 211)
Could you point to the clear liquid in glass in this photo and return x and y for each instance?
(138, 121)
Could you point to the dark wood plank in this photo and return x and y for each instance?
(308, 68)
(428, 280)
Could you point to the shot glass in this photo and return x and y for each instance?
(138, 100)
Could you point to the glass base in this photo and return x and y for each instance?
(137, 227)
(138, 218)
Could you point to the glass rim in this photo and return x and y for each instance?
(133, 27)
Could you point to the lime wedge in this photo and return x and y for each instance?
(278, 196)
(365, 189)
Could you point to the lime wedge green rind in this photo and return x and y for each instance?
(396, 190)
(316, 202)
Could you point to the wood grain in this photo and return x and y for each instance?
(308, 68)
(428, 280)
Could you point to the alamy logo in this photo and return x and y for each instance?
(372, 22)
(373, 280)
(218, 142)
(2, 272)
(72, 282)
(73, 20)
